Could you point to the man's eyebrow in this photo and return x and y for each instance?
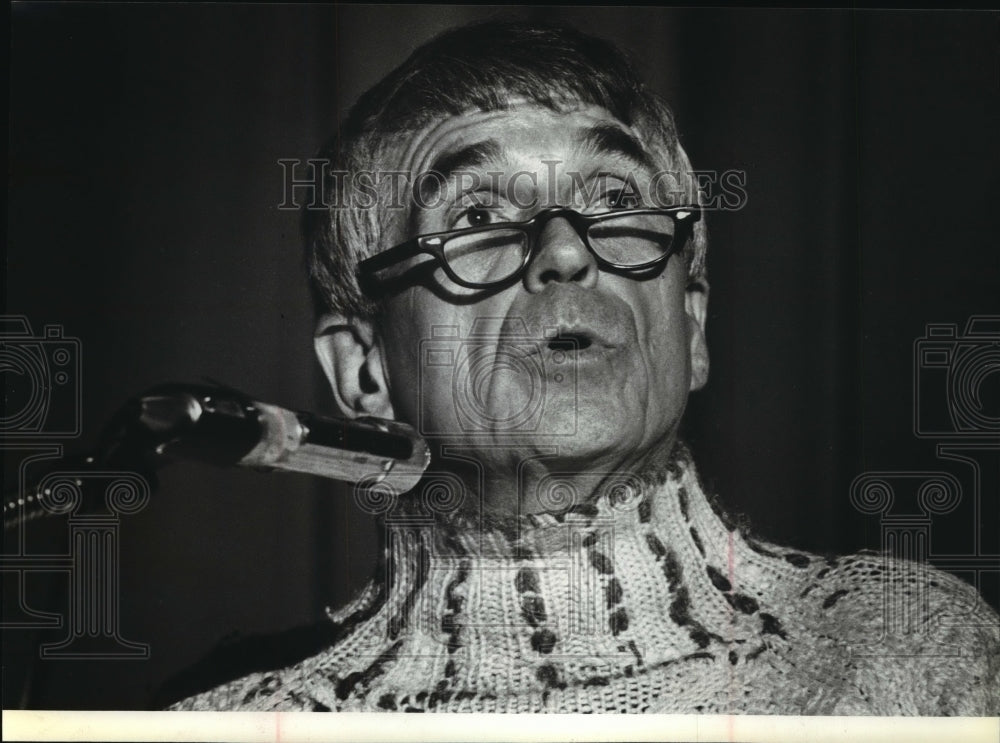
(607, 139)
(470, 156)
(464, 158)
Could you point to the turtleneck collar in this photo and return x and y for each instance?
(621, 501)
(647, 573)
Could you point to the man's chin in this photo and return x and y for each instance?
(596, 444)
(600, 437)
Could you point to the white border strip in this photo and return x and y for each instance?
(292, 727)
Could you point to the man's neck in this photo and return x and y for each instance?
(501, 493)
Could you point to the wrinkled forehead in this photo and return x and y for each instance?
(497, 147)
(525, 131)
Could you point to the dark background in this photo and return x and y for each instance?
(142, 217)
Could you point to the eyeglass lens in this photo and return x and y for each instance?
(495, 255)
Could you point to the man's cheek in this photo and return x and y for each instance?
(665, 364)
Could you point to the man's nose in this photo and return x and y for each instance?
(561, 257)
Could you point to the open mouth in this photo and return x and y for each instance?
(569, 342)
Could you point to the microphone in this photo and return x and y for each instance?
(225, 427)
(221, 426)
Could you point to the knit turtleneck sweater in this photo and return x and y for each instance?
(645, 600)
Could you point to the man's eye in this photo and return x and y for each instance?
(621, 198)
(475, 216)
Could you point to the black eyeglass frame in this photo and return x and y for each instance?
(432, 244)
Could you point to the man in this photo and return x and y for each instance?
(513, 261)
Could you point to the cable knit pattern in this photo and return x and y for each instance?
(644, 601)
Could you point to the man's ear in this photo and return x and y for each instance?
(696, 307)
(352, 357)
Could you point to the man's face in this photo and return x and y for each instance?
(480, 367)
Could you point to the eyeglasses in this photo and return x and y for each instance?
(481, 257)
